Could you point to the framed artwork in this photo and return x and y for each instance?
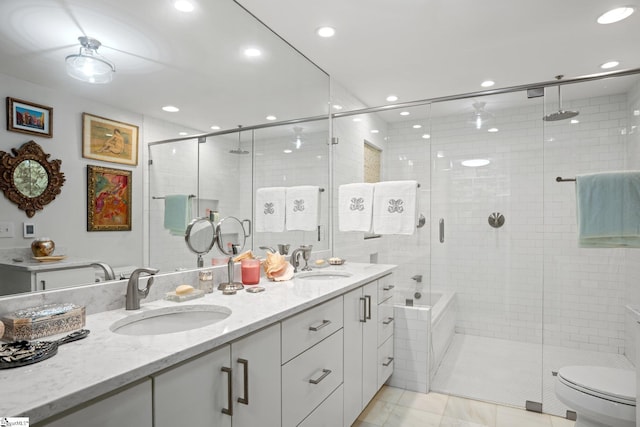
(27, 117)
(109, 140)
(108, 199)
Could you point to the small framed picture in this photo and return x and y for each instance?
(27, 117)
(108, 199)
(108, 140)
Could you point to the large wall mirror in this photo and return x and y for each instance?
(199, 62)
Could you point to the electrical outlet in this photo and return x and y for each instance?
(7, 229)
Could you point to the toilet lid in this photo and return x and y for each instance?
(609, 383)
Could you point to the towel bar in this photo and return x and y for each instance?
(191, 196)
(561, 179)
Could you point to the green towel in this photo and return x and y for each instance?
(177, 213)
(608, 207)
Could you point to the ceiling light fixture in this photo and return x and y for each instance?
(487, 83)
(480, 117)
(337, 107)
(392, 98)
(609, 64)
(215, 127)
(404, 113)
(184, 5)
(492, 130)
(326, 32)
(170, 109)
(271, 118)
(615, 15)
(426, 136)
(417, 126)
(375, 131)
(297, 134)
(88, 65)
(252, 52)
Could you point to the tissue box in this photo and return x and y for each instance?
(42, 321)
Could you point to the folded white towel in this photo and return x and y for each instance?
(303, 207)
(270, 209)
(608, 208)
(394, 207)
(355, 206)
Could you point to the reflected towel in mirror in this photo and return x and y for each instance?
(355, 206)
(303, 206)
(177, 213)
(270, 209)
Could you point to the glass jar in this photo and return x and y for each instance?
(205, 281)
(250, 269)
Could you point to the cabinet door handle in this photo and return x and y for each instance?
(229, 410)
(245, 368)
(388, 362)
(320, 326)
(389, 320)
(363, 319)
(325, 372)
(388, 288)
(368, 297)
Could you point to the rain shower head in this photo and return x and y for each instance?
(238, 150)
(560, 114)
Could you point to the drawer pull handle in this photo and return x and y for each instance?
(325, 372)
(229, 410)
(389, 320)
(320, 326)
(388, 288)
(245, 367)
(363, 319)
(388, 362)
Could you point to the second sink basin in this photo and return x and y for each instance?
(168, 320)
(323, 275)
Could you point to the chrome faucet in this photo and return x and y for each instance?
(268, 248)
(108, 271)
(134, 294)
(305, 250)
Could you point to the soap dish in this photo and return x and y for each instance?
(196, 293)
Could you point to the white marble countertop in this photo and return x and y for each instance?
(8, 259)
(105, 361)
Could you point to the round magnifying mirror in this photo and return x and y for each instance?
(30, 178)
(231, 234)
(200, 237)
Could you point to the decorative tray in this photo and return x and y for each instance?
(50, 258)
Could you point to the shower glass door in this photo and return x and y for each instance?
(487, 248)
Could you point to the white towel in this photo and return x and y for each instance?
(394, 207)
(303, 207)
(355, 206)
(608, 208)
(270, 209)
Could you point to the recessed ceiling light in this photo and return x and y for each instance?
(392, 98)
(337, 107)
(183, 134)
(170, 109)
(183, 5)
(417, 126)
(357, 119)
(609, 64)
(215, 127)
(575, 121)
(426, 136)
(326, 31)
(475, 163)
(404, 113)
(615, 15)
(271, 118)
(375, 131)
(252, 52)
(492, 130)
(636, 113)
(287, 151)
(487, 83)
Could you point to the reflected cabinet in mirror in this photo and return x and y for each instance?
(28, 178)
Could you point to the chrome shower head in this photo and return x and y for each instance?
(238, 150)
(560, 114)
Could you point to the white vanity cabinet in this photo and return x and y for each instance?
(360, 349)
(385, 328)
(130, 406)
(46, 277)
(236, 385)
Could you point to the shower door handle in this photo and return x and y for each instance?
(441, 230)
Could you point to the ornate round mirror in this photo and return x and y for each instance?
(231, 235)
(200, 237)
(28, 178)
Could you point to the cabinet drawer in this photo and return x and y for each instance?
(386, 285)
(385, 321)
(328, 414)
(310, 327)
(322, 365)
(385, 361)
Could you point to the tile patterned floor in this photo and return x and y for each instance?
(395, 407)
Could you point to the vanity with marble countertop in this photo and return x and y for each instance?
(106, 361)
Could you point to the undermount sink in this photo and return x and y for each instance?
(323, 275)
(168, 320)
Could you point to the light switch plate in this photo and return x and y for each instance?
(7, 229)
(28, 230)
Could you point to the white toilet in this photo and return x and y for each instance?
(600, 396)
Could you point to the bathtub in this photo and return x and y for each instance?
(423, 330)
